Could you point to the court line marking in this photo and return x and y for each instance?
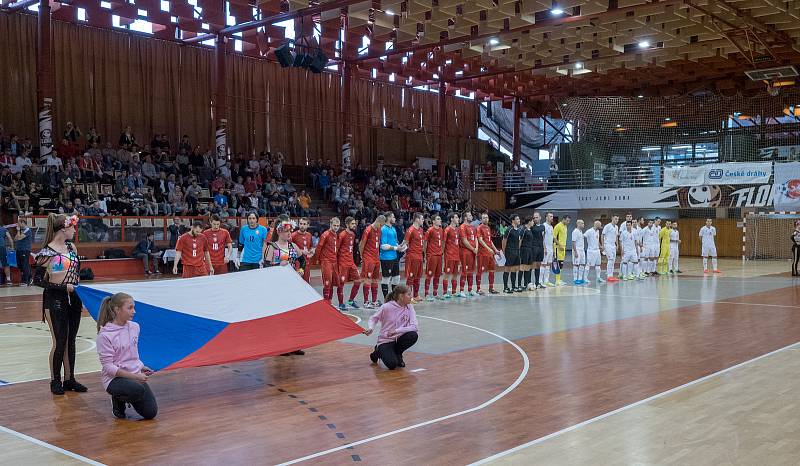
(699, 301)
(93, 344)
(509, 389)
(49, 446)
(627, 407)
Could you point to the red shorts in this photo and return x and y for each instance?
(433, 267)
(486, 264)
(413, 267)
(330, 273)
(451, 267)
(220, 269)
(348, 273)
(467, 261)
(191, 271)
(371, 269)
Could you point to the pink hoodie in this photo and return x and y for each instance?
(117, 346)
(394, 320)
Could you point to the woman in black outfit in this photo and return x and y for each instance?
(795, 248)
(511, 249)
(57, 271)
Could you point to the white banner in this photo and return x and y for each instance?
(791, 153)
(684, 176)
(738, 173)
(574, 199)
(787, 186)
(718, 174)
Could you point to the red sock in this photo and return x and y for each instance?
(478, 280)
(453, 284)
(374, 292)
(491, 281)
(469, 282)
(327, 293)
(436, 285)
(427, 285)
(354, 290)
(462, 280)
(416, 287)
(366, 292)
(444, 287)
(340, 293)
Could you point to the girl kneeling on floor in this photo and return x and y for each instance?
(398, 328)
(124, 375)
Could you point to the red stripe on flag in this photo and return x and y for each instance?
(304, 327)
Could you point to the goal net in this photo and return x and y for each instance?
(767, 236)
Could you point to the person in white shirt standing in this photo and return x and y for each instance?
(630, 257)
(674, 249)
(548, 249)
(592, 237)
(709, 248)
(610, 234)
(578, 255)
(650, 241)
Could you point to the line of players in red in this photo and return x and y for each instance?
(456, 255)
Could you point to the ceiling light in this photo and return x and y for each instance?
(644, 44)
(641, 96)
(578, 65)
(667, 119)
(390, 12)
(556, 11)
(493, 41)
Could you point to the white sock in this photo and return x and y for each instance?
(677, 266)
(636, 270)
(597, 272)
(714, 263)
(544, 272)
(705, 263)
(623, 268)
(610, 267)
(584, 272)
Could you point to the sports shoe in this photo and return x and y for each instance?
(473, 294)
(377, 303)
(600, 280)
(639, 277)
(481, 293)
(679, 271)
(118, 408)
(508, 291)
(705, 271)
(540, 286)
(461, 294)
(578, 282)
(446, 296)
(548, 284)
(612, 280)
(158, 272)
(342, 307)
(56, 388)
(493, 291)
(353, 305)
(441, 298)
(73, 385)
(631, 277)
(429, 298)
(717, 271)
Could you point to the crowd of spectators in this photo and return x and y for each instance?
(88, 174)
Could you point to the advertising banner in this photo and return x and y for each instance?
(684, 176)
(718, 174)
(686, 197)
(787, 186)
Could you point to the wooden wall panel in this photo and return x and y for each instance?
(728, 241)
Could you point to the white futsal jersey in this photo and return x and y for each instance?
(610, 233)
(628, 240)
(708, 247)
(548, 237)
(592, 236)
(674, 238)
(578, 251)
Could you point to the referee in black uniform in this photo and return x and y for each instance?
(511, 248)
(525, 256)
(537, 230)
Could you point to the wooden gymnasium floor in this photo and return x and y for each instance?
(689, 370)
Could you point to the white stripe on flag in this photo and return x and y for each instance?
(233, 297)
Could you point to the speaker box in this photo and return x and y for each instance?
(284, 55)
(319, 62)
(302, 60)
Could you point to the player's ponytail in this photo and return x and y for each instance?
(396, 292)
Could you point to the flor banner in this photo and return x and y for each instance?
(787, 186)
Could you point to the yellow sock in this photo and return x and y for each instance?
(558, 278)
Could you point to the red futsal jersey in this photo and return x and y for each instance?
(467, 231)
(345, 253)
(372, 244)
(327, 247)
(414, 238)
(434, 242)
(193, 249)
(485, 233)
(217, 241)
(452, 241)
(302, 239)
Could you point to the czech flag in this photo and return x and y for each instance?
(225, 318)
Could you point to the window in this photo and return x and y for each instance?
(706, 150)
(679, 152)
